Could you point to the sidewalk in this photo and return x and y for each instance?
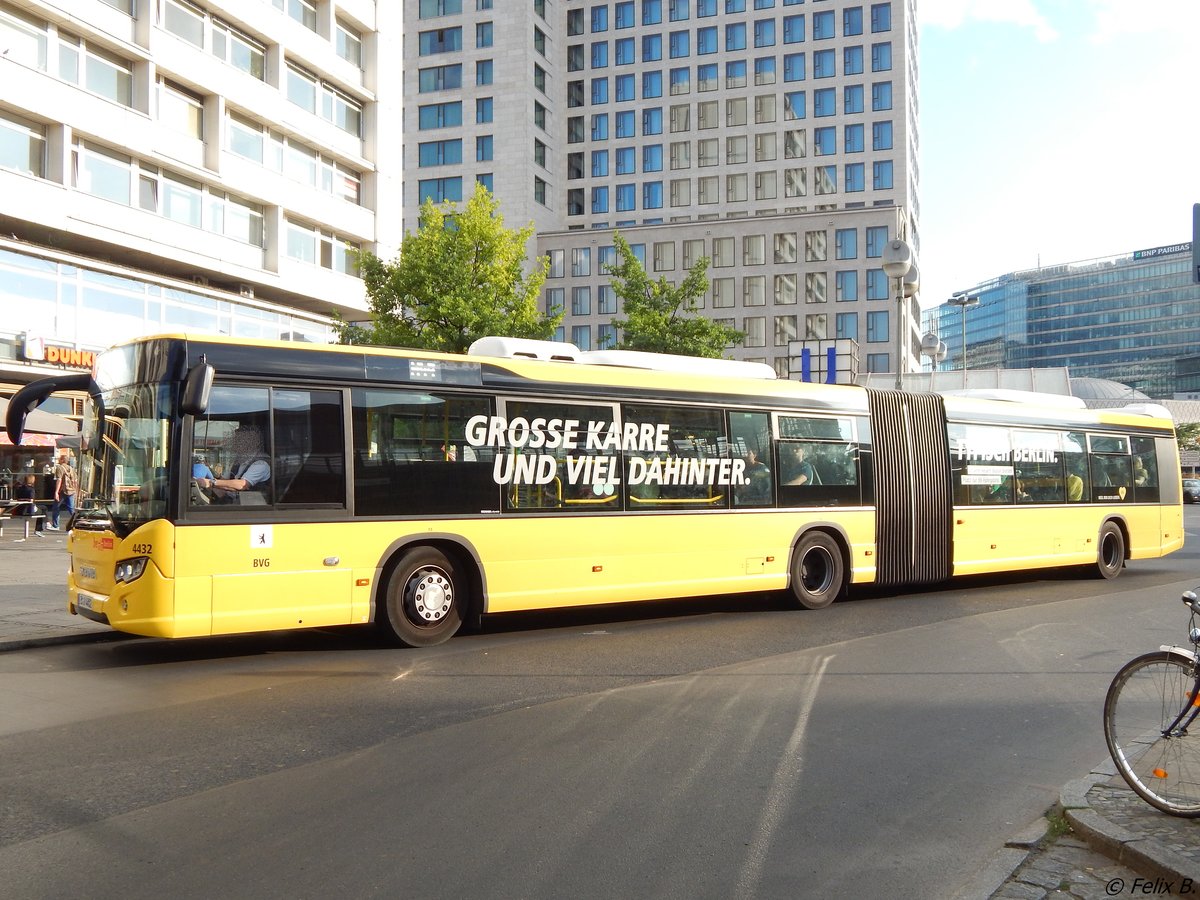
(33, 592)
(1115, 838)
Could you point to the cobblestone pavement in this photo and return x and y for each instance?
(1117, 846)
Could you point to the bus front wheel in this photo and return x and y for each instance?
(818, 571)
(424, 600)
(1110, 554)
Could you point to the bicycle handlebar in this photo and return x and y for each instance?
(1191, 601)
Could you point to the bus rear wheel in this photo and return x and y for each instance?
(1110, 553)
(818, 571)
(424, 600)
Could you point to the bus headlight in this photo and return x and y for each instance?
(130, 569)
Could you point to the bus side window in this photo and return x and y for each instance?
(1145, 470)
(750, 439)
(309, 449)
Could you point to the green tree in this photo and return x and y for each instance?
(661, 317)
(459, 277)
(1187, 435)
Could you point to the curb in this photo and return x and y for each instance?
(82, 637)
(1143, 854)
(1005, 862)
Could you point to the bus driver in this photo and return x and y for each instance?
(249, 470)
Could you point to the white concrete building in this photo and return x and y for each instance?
(168, 164)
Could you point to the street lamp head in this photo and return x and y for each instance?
(964, 301)
(897, 258)
(912, 281)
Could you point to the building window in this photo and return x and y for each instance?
(722, 293)
(882, 175)
(846, 243)
(348, 44)
(846, 286)
(440, 78)
(816, 246)
(881, 17)
(881, 95)
(877, 326)
(754, 290)
(184, 21)
(881, 136)
(539, 191)
(825, 102)
(439, 115)
(439, 189)
(305, 11)
(483, 148)
(852, 60)
(581, 336)
(853, 99)
(825, 180)
(855, 175)
(785, 247)
(755, 328)
(825, 141)
(881, 57)
(22, 144)
(581, 301)
(852, 21)
(816, 287)
(104, 173)
(180, 110)
(483, 110)
(847, 326)
(96, 70)
(484, 34)
(877, 238)
(439, 40)
(786, 289)
(877, 286)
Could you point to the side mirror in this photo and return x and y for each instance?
(33, 395)
(197, 389)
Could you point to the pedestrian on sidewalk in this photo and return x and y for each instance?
(65, 484)
(26, 491)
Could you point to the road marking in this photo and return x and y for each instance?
(783, 786)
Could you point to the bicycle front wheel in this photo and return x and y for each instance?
(1143, 701)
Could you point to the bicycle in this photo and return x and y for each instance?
(1148, 713)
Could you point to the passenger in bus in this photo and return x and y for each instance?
(798, 469)
(249, 470)
(1075, 469)
(757, 487)
(1140, 475)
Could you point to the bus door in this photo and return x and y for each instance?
(913, 513)
(267, 497)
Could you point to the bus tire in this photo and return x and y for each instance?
(1110, 551)
(818, 572)
(423, 600)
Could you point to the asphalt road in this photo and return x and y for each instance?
(884, 747)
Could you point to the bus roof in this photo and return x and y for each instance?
(645, 374)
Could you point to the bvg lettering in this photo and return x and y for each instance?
(262, 563)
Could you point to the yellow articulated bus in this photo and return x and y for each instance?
(240, 487)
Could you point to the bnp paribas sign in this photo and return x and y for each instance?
(1162, 251)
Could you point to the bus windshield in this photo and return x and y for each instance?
(126, 458)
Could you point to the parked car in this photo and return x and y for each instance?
(1191, 490)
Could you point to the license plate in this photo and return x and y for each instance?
(87, 572)
(83, 602)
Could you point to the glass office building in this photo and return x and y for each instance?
(1126, 318)
(777, 138)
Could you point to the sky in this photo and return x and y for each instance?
(1053, 131)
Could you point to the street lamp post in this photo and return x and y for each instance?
(897, 261)
(964, 302)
